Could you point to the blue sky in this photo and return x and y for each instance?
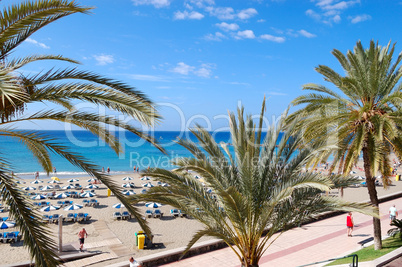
(197, 59)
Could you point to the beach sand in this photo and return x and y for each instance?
(168, 232)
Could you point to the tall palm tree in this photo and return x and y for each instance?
(64, 88)
(258, 188)
(364, 119)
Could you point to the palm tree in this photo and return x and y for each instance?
(64, 88)
(259, 188)
(364, 119)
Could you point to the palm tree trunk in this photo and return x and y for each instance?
(370, 182)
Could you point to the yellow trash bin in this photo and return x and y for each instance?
(397, 177)
(109, 192)
(141, 241)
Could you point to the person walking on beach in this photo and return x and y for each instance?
(108, 170)
(349, 224)
(133, 262)
(54, 170)
(392, 214)
(81, 236)
(103, 169)
(36, 175)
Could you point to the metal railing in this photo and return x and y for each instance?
(354, 263)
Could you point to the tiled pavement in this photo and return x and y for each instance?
(314, 242)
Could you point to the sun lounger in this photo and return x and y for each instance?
(12, 237)
(126, 215)
(55, 218)
(117, 215)
(94, 202)
(148, 213)
(174, 212)
(158, 214)
(70, 217)
(2, 238)
(86, 203)
(80, 217)
(45, 218)
(182, 214)
(87, 217)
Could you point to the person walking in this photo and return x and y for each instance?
(349, 224)
(108, 170)
(81, 236)
(54, 170)
(392, 214)
(133, 262)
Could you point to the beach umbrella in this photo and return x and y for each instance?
(91, 180)
(53, 182)
(143, 191)
(38, 197)
(128, 185)
(127, 178)
(54, 178)
(209, 191)
(147, 185)
(360, 178)
(6, 225)
(73, 207)
(164, 184)
(92, 186)
(50, 208)
(60, 196)
(152, 205)
(48, 187)
(20, 182)
(118, 206)
(68, 187)
(28, 188)
(352, 172)
(128, 192)
(145, 178)
(36, 182)
(87, 194)
(73, 180)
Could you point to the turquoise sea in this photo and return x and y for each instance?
(137, 152)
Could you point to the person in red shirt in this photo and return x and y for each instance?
(349, 224)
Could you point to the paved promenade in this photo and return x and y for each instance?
(313, 242)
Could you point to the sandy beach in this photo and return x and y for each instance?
(106, 233)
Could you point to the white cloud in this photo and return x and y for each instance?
(188, 15)
(313, 14)
(336, 19)
(247, 13)
(248, 34)
(215, 37)
(261, 20)
(222, 13)
(201, 3)
(306, 34)
(330, 10)
(205, 70)
(272, 38)
(359, 18)
(32, 41)
(155, 3)
(228, 13)
(183, 68)
(104, 59)
(339, 6)
(144, 77)
(227, 27)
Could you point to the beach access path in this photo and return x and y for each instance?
(314, 242)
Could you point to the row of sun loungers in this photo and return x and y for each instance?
(71, 217)
(125, 215)
(90, 202)
(177, 213)
(10, 237)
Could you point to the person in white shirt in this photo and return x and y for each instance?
(392, 214)
(134, 263)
